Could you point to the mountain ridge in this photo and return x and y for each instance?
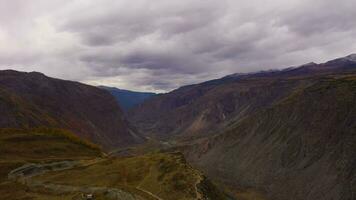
(154, 113)
(31, 99)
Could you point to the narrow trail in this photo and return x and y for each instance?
(149, 193)
(198, 194)
(138, 187)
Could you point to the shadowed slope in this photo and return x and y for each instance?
(303, 146)
(202, 109)
(34, 100)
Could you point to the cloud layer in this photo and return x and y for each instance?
(160, 45)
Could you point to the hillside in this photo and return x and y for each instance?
(128, 99)
(154, 176)
(287, 134)
(20, 146)
(52, 164)
(303, 146)
(48, 128)
(34, 100)
(206, 108)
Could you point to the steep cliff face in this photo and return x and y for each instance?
(32, 100)
(303, 147)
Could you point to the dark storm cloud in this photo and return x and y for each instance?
(153, 59)
(125, 22)
(160, 45)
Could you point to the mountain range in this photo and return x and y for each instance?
(277, 134)
(57, 139)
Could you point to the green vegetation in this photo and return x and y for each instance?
(23, 113)
(65, 134)
(165, 175)
(42, 145)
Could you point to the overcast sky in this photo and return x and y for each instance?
(159, 45)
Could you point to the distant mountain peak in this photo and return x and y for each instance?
(309, 64)
(351, 57)
(128, 99)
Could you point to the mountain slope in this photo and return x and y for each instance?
(35, 100)
(153, 176)
(40, 145)
(40, 158)
(126, 98)
(289, 134)
(203, 109)
(303, 147)
(46, 163)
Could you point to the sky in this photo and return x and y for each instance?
(159, 45)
